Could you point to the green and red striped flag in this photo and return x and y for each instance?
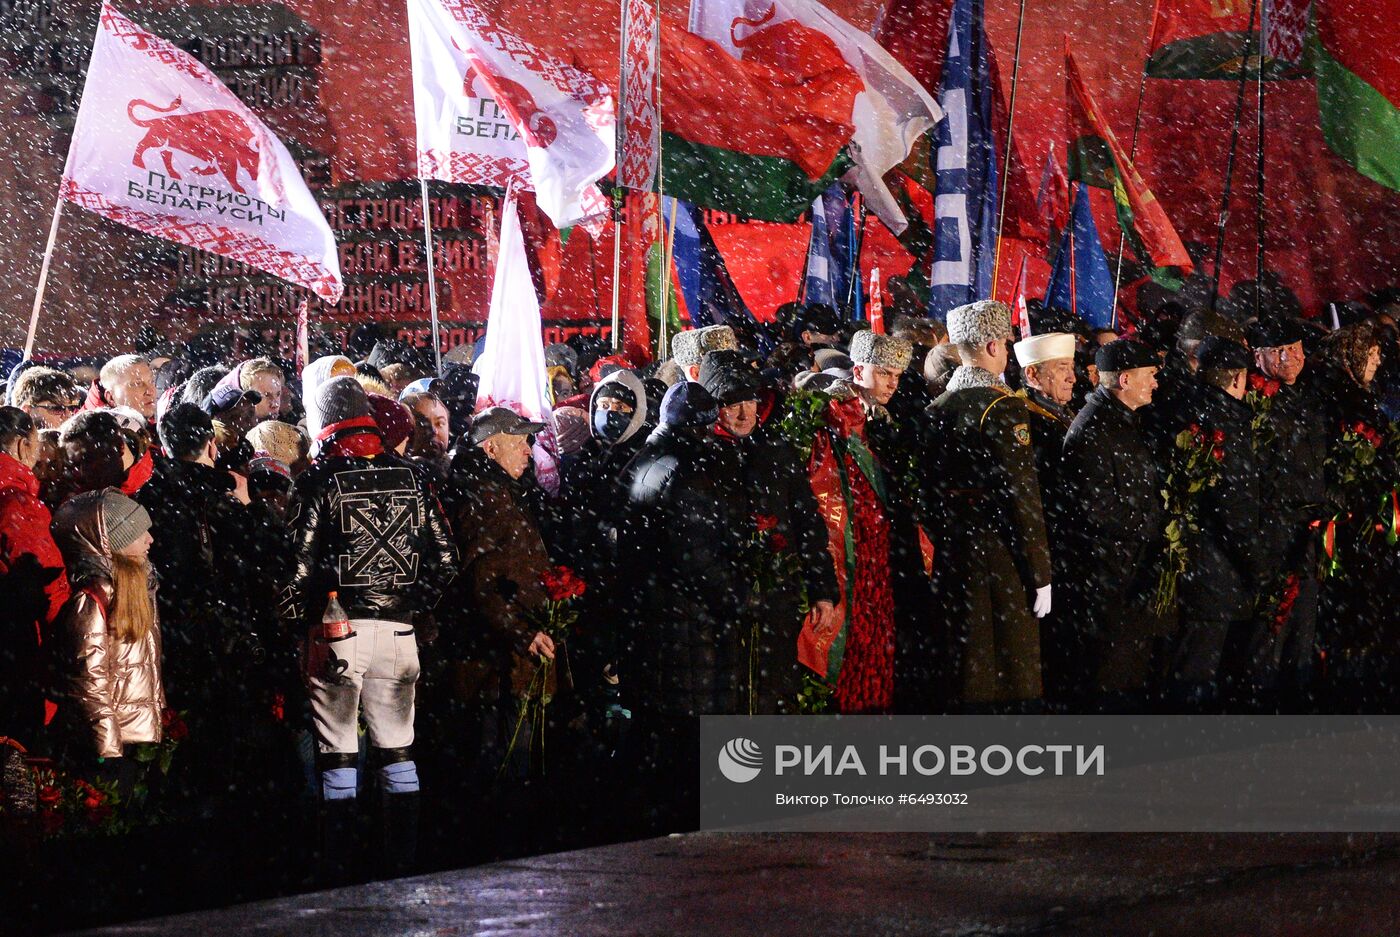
(1097, 159)
(1214, 39)
(1358, 84)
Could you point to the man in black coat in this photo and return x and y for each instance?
(1291, 445)
(679, 547)
(1110, 492)
(1218, 640)
(784, 521)
(215, 551)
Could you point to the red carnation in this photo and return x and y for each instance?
(778, 543)
(49, 795)
(94, 799)
(562, 584)
(167, 716)
(765, 522)
(1256, 381)
(1195, 429)
(1219, 437)
(1218, 454)
(178, 731)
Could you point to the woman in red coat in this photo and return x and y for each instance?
(32, 577)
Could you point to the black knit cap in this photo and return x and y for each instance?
(1272, 333)
(1221, 354)
(344, 405)
(1125, 355)
(728, 377)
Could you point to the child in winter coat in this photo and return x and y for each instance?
(108, 638)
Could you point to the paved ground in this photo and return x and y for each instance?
(868, 884)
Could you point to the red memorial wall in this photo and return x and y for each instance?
(332, 78)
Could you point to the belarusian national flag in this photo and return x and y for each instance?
(891, 111)
(1096, 158)
(1214, 39)
(1358, 84)
(467, 68)
(160, 145)
(761, 138)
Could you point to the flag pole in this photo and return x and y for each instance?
(1259, 173)
(1006, 161)
(859, 240)
(619, 194)
(1073, 284)
(668, 251)
(43, 279)
(1132, 154)
(432, 278)
(1230, 160)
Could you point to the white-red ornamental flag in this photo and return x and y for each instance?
(160, 145)
(474, 83)
(510, 370)
(641, 125)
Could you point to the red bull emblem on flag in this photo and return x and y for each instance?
(491, 109)
(161, 146)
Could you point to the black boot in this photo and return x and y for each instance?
(398, 834)
(335, 866)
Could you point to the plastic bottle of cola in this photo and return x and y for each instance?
(335, 624)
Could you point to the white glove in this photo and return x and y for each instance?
(1042, 602)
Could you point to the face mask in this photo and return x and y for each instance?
(611, 424)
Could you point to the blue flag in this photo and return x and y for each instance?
(818, 286)
(1090, 296)
(965, 167)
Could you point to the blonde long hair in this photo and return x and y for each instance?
(133, 613)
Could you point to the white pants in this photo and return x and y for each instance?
(377, 667)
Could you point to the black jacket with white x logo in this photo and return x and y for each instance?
(371, 529)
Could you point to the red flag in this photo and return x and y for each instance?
(876, 310)
(1097, 159)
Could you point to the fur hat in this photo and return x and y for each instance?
(986, 320)
(882, 351)
(394, 420)
(688, 348)
(1037, 348)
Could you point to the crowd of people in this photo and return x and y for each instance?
(348, 575)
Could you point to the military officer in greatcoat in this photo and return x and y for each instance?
(992, 562)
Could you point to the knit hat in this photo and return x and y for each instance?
(832, 358)
(124, 519)
(282, 441)
(986, 320)
(1038, 348)
(688, 404)
(561, 355)
(393, 419)
(728, 377)
(881, 351)
(689, 347)
(343, 405)
(1222, 354)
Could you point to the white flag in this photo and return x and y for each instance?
(889, 115)
(160, 145)
(511, 368)
(492, 109)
